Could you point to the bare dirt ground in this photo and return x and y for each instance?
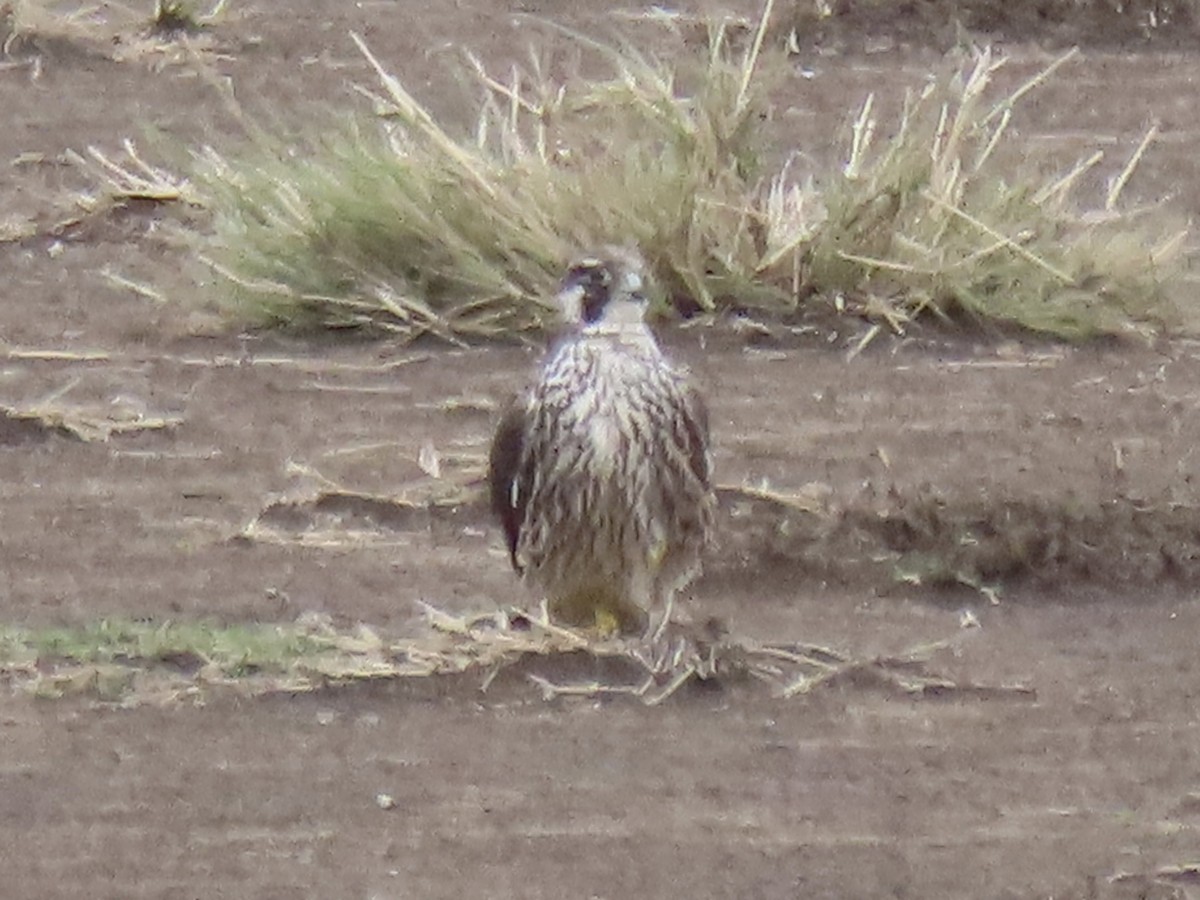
(919, 472)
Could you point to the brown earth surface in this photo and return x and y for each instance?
(1046, 491)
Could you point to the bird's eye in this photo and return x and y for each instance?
(588, 273)
(595, 298)
(593, 281)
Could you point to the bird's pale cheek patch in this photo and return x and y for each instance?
(570, 302)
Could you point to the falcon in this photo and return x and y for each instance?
(600, 473)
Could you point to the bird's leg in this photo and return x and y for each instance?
(657, 554)
(658, 653)
(661, 628)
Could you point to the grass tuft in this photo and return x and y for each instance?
(115, 31)
(32, 24)
(402, 226)
(411, 230)
(941, 219)
(230, 650)
(172, 16)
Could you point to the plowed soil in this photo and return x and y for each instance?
(869, 503)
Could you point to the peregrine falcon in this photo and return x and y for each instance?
(600, 473)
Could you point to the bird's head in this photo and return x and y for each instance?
(604, 291)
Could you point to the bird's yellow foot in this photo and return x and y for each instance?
(597, 615)
(608, 624)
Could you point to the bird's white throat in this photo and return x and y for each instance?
(622, 314)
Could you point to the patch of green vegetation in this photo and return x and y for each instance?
(231, 650)
(400, 226)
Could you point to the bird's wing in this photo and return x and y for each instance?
(695, 422)
(509, 487)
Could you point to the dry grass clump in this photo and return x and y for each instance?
(138, 661)
(413, 230)
(408, 228)
(112, 31)
(38, 24)
(172, 16)
(42, 420)
(940, 219)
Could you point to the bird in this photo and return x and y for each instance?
(600, 472)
